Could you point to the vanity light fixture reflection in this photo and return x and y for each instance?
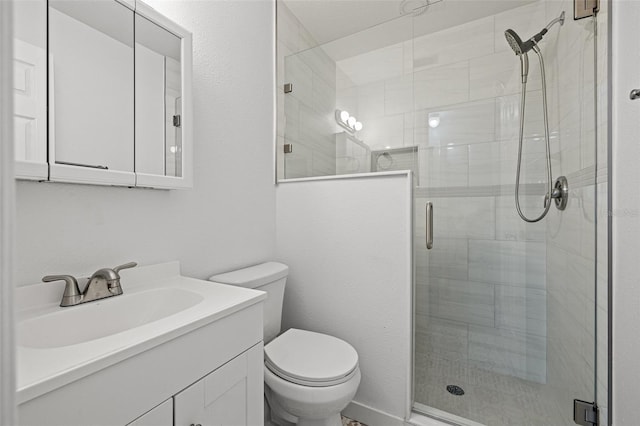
(348, 121)
(434, 120)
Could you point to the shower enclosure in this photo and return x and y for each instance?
(505, 310)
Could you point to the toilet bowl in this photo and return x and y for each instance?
(309, 377)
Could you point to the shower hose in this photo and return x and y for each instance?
(548, 195)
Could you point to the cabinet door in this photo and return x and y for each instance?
(91, 89)
(162, 415)
(30, 89)
(229, 396)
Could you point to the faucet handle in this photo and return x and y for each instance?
(71, 295)
(125, 266)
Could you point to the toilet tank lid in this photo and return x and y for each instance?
(253, 276)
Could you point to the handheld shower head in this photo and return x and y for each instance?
(516, 43)
(521, 47)
(521, 50)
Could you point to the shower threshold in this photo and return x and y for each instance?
(423, 415)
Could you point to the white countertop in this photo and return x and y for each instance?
(41, 370)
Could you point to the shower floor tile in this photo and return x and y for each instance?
(490, 398)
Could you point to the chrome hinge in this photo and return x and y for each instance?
(585, 8)
(288, 148)
(288, 87)
(176, 121)
(585, 413)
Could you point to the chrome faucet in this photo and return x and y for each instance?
(103, 283)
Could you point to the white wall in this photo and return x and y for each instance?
(228, 219)
(7, 202)
(625, 211)
(348, 244)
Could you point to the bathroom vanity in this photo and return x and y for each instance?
(170, 350)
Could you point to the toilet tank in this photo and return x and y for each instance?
(269, 277)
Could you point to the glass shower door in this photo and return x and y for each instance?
(505, 309)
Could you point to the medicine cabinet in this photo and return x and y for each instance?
(116, 78)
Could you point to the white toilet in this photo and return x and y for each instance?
(309, 377)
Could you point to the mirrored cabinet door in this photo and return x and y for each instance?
(91, 92)
(158, 98)
(30, 89)
(162, 58)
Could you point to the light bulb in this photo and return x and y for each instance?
(351, 121)
(434, 120)
(344, 116)
(357, 126)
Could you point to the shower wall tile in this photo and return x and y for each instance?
(321, 64)
(447, 166)
(443, 85)
(509, 262)
(409, 126)
(454, 45)
(281, 118)
(291, 117)
(450, 259)
(533, 166)
(383, 132)
(398, 95)
(316, 130)
(508, 352)
(347, 100)
(299, 163)
(299, 73)
(565, 228)
(510, 227)
(323, 100)
(445, 339)
(521, 309)
(468, 217)
(482, 161)
(462, 124)
(374, 66)
(508, 116)
(370, 102)
(324, 164)
(498, 75)
(462, 301)
(288, 28)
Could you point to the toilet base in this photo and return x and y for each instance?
(293, 404)
(334, 420)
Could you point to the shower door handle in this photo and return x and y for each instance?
(429, 225)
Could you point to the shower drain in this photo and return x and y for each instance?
(455, 390)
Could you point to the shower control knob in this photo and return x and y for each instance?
(635, 94)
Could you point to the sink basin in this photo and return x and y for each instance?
(95, 320)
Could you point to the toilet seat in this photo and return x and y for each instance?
(311, 359)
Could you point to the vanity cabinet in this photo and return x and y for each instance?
(230, 395)
(207, 372)
(162, 415)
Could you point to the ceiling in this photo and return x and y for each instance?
(329, 20)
